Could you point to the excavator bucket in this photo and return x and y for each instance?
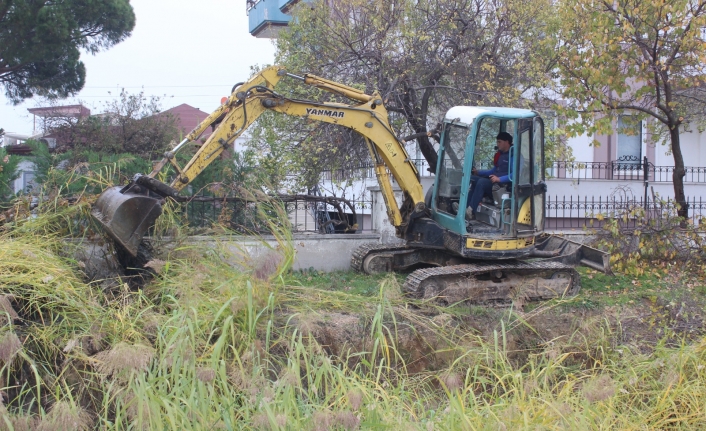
(569, 252)
(126, 216)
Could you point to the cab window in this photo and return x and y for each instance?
(451, 168)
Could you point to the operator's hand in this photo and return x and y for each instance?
(494, 179)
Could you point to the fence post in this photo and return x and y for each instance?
(646, 178)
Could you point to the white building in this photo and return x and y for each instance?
(629, 164)
(14, 143)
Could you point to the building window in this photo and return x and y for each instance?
(629, 140)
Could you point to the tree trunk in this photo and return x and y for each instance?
(425, 145)
(415, 113)
(678, 176)
(428, 151)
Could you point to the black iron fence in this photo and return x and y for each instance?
(626, 168)
(356, 215)
(576, 212)
(305, 214)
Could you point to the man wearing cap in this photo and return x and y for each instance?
(496, 176)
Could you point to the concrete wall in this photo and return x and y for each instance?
(582, 148)
(312, 251)
(381, 222)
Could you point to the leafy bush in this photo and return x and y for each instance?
(638, 240)
(82, 171)
(8, 173)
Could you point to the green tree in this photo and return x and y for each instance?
(68, 173)
(642, 57)
(40, 42)
(132, 123)
(8, 174)
(424, 56)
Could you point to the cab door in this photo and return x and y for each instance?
(530, 188)
(448, 201)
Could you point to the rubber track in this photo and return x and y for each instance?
(414, 280)
(359, 254)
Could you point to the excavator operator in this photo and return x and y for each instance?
(485, 182)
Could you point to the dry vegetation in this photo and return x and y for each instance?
(205, 344)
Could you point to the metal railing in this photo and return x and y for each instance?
(565, 212)
(367, 170)
(304, 216)
(626, 168)
(576, 212)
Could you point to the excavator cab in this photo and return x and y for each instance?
(513, 209)
(501, 254)
(509, 221)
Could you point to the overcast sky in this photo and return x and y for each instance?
(187, 51)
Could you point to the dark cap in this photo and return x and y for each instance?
(504, 136)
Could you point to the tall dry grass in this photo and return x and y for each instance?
(211, 343)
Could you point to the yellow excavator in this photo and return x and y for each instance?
(500, 255)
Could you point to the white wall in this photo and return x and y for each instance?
(13, 139)
(691, 144)
(381, 223)
(558, 188)
(24, 168)
(582, 148)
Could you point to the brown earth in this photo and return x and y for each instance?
(638, 326)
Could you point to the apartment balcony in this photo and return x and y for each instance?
(286, 5)
(266, 18)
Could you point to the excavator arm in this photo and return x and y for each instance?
(229, 121)
(370, 119)
(126, 215)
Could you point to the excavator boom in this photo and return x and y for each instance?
(126, 213)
